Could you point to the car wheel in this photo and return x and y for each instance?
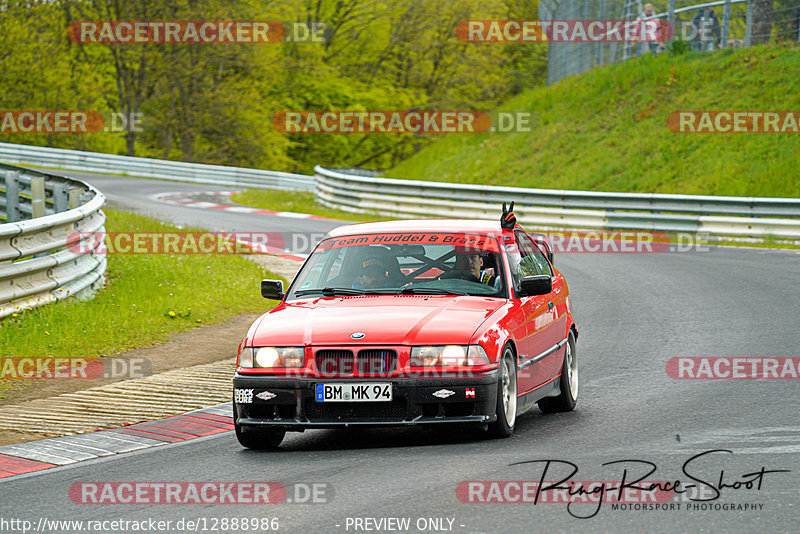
(259, 439)
(568, 397)
(506, 397)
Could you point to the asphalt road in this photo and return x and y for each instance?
(634, 311)
(138, 194)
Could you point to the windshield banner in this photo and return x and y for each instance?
(463, 242)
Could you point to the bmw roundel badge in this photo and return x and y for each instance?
(358, 335)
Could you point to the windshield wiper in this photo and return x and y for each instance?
(430, 291)
(330, 291)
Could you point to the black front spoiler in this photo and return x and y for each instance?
(289, 403)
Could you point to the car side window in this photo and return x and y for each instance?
(533, 262)
(514, 260)
(521, 264)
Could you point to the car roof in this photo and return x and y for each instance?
(477, 226)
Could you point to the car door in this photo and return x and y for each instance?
(537, 313)
(550, 365)
(536, 363)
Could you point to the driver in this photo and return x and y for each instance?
(470, 262)
(373, 275)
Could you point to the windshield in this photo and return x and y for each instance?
(403, 263)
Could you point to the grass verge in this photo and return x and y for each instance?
(606, 130)
(146, 299)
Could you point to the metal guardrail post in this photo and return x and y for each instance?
(726, 20)
(12, 197)
(60, 198)
(748, 32)
(73, 198)
(37, 197)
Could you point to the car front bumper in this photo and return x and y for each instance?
(289, 403)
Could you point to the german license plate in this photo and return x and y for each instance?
(362, 392)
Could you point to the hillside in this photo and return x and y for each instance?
(606, 130)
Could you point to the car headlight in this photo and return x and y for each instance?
(448, 356)
(272, 357)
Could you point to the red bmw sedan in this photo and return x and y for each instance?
(410, 323)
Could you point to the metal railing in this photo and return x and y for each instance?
(45, 213)
(550, 209)
(76, 160)
(737, 28)
(544, 209)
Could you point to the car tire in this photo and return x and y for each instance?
(261, 440)
(506, 407)
(566, 400)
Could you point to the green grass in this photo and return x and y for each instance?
(133, 310)
(606, 131)
(297, 202)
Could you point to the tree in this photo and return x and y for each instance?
(132, 63)
(40, 74)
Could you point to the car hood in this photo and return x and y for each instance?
(383, 319)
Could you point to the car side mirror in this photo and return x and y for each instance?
(536, 285)
(272, 289)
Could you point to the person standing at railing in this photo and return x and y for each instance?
(707, 31)
(648, 21)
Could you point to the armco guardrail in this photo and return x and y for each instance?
(76, 160)
(550, 209)
(545, 209)
(44, 213)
